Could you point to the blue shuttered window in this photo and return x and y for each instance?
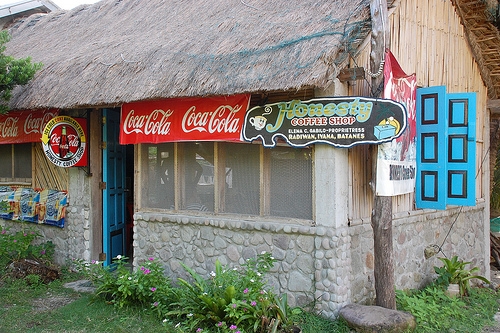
(446, 148)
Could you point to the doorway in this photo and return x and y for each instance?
(117, 186)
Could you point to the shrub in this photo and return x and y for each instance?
(435, 311)
(122, 286)
(19, 245)
(454, 271)
(231, 300)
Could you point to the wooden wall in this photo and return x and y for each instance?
(427, 39)
(48, 175)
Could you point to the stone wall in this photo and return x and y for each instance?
(313, 262)
(72, 241)
(332, 266)
(460, 231)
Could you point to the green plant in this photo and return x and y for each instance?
(231, 299)
(122, 286)
(435, 311)
(54, 308)
(20, 245)
(310, 322)
(454, 272)
(495, 186)
(4, 206)
(13, 72)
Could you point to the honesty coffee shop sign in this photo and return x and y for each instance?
(341, 122)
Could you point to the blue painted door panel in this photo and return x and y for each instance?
(461, 149)
(431, 147)
(446, 148)
(114, 194)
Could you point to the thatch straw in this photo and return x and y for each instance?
(117, 51)
(484, 40)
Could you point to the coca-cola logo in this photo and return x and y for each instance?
(156, 123)
(63, 141)
(37, 124)
(222, 120)
(73, 140)
(215, 118)
(9, 128)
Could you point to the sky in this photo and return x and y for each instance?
(64, 4)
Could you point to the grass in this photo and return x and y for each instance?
(311, 323)
(28, 305)
(40, 308)
(434, 311)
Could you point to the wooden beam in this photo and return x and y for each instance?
(493, 105)
(351, 74)
(382, 207)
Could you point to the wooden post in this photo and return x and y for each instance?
(382, 206)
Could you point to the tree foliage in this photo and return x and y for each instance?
(13, 72)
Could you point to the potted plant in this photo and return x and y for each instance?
(453, 274)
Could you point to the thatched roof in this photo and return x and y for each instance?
(484, 39)
(117, 51)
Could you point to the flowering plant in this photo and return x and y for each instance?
(20, 245)
(122, 286)
(231, 300)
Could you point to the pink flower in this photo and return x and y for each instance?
(15, 240)
(147, 271)
(199, 330)
(245, 291)
(234, 305)
(155, 304)
(3, 232)
(233, 327)
(153, 289)
(219, 324)
(151, 258)
(253, 303)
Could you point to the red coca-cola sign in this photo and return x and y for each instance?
(64, 141)
(24, 126)
(187, 119)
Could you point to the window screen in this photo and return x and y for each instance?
(5, 161)
(15, 163)
(158, 164)
(291, 182)
(198, 175)
(22, 160)
(242, 178)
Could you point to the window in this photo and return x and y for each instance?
(15, 164)
(236, 178)
(446, 148)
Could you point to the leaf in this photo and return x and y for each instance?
(229, 294)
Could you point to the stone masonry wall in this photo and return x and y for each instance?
(72, 241)
(334, 267)
(312, 262)
(468, 239)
